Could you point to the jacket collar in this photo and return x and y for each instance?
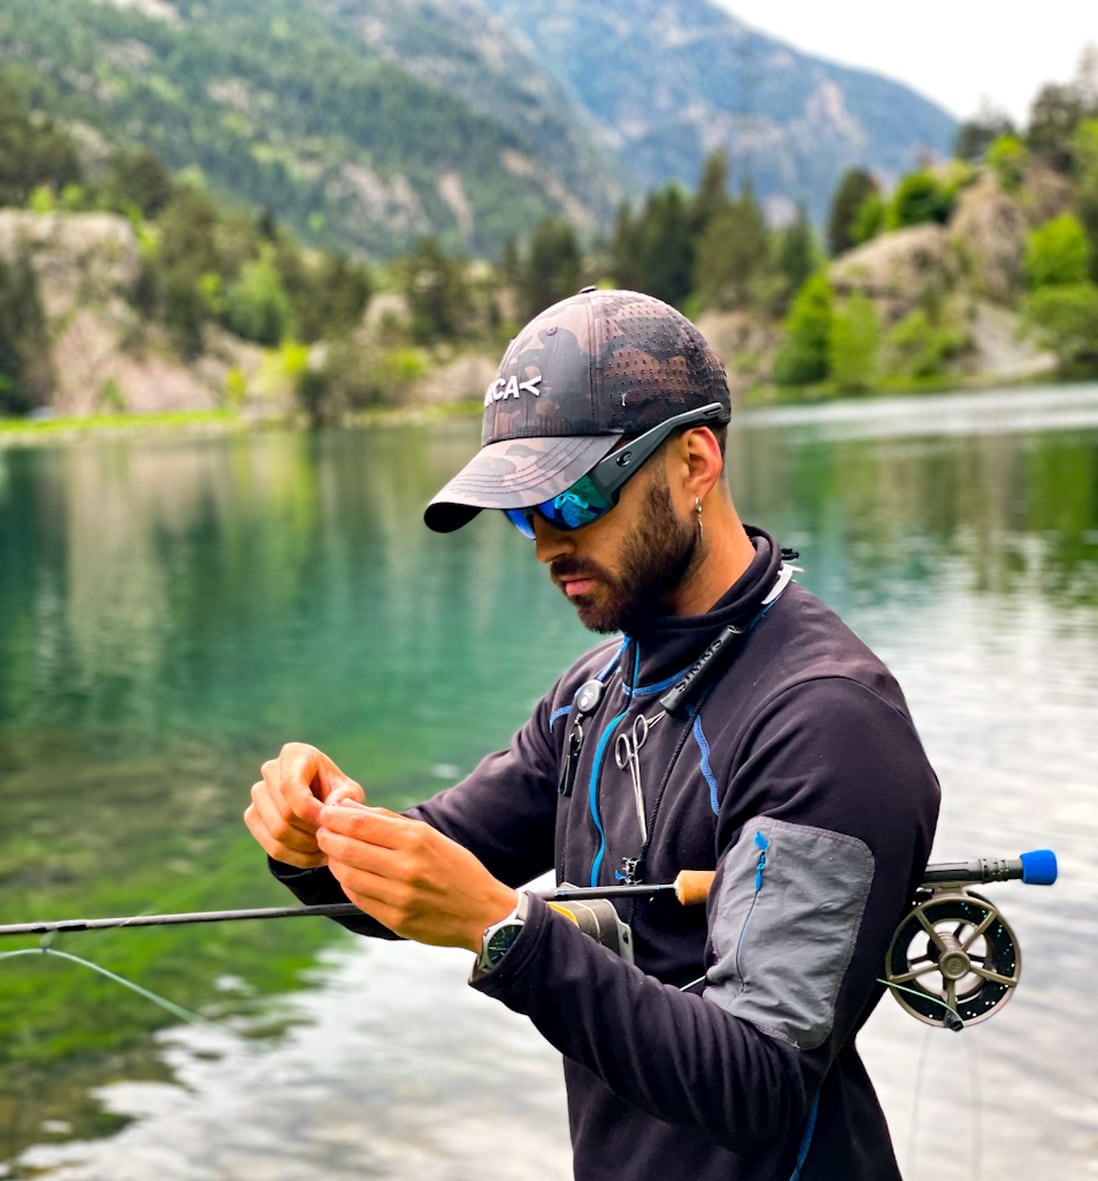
(653, 659)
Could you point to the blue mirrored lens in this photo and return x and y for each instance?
(575, 507)
(521, 521)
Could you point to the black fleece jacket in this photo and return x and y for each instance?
(727, 1050)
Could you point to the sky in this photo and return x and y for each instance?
(955, 53)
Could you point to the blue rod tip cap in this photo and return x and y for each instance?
(1038, 867)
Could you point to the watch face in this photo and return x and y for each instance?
(500, 941)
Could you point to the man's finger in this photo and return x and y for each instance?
(375, 826)
(276, 849)
(354, 853)
(345, 789)
(281, 828)
(289, 778)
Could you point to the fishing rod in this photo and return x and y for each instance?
(689, 887)
(953, 960)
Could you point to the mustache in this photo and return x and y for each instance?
(569, 566)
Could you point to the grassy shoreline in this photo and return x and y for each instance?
(15, 432)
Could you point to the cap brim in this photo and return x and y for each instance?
(515, 473)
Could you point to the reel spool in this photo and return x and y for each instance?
(953, 961)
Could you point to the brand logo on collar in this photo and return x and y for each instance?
(512, 387)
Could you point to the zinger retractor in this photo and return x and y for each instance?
(954, 960)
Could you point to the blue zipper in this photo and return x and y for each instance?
(763, 845)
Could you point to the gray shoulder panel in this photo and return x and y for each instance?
(787, 915)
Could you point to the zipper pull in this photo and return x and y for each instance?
(762, 843)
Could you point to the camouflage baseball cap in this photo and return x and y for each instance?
(583, 374)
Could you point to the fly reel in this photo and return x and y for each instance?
(954, 960)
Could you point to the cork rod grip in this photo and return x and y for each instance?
(692, 886)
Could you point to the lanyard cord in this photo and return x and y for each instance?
(696, 681)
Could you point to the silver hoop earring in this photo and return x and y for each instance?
(698, 510)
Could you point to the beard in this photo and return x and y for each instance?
(655, 559)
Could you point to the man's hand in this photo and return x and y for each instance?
(408, 876)
(286, 803)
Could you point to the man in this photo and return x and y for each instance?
(737, 725)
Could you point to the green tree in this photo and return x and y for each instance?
(733, 254)
(920, 197)
(796, 253)
(436, 290)
(185, 259)
(1085, 151)
(510, 262)
(803, 356)
(855, 187)
(625, 249)
(1058, 253)
(870, 219)
(976, 135)
(32, 153)
(138, 179)
(256, 306)
(342, 289)
(853, 342)
(665, 245)
(712, 195)
(187, 230)
(25, 377)
(1007, 157)
(1053, 117)
(327, 295)
(552, 266)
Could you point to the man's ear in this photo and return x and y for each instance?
(701, 461)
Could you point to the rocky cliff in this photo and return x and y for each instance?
(104, 356)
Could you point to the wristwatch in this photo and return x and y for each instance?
(497, 938)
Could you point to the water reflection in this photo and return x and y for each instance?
(174, 609)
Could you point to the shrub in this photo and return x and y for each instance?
(920, 197)
(803, 356)
(853, 343)
(1006, 157)
(918, 346)
(256, 306)
(1064, 319)
(1057, 253)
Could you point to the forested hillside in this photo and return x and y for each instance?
(363, 124)
(367, 125)
(126, 285)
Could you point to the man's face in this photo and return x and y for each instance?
(623, 571)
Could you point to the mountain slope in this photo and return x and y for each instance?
(362, 123)
(666, 81)
(368, 124)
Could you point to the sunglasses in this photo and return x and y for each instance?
(593, 495)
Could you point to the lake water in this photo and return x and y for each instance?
(173, 609)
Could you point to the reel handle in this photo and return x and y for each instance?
(692, 886)
(1035, 868)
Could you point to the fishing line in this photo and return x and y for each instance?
(916, 1101)
(974, 1086)
(920, 1070)
(169, 1006)
(977, 1101)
